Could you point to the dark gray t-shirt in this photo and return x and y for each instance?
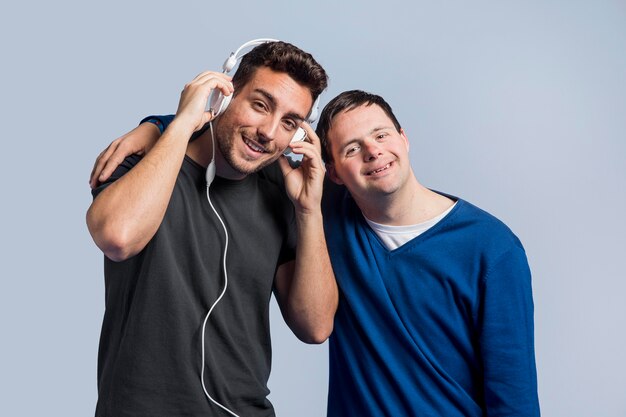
(150, 346)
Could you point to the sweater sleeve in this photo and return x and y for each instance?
(160, 121)
(507, 338)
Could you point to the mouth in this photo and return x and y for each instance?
(379, 170)
(255, 146)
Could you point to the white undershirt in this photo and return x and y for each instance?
(395, 236)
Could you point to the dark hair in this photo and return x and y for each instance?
(346, 101)
(283, 57)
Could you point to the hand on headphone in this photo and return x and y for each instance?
(304, 183)
(193, 99)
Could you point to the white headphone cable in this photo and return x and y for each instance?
(206, 318)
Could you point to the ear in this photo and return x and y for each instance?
(406, 140)
(330, 169)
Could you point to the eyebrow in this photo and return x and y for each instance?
(272, 100)
(374, 130)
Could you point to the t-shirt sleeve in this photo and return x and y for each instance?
(507, 338)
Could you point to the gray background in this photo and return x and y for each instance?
(516, 106)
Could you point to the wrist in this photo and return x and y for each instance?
(309, 216)
(156, 122)
(178, 129)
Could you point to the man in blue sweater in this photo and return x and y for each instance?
(435, 315)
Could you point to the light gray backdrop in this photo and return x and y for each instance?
(516, 106)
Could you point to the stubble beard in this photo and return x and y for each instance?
(225, 143)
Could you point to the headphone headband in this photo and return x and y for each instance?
(234, 57)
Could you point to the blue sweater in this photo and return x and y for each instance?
(442, 326)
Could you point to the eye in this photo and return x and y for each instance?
(259, 105)
(381, 135)
(290, 124)
(352, 150)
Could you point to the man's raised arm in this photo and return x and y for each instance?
(305, 289)
(126, 214)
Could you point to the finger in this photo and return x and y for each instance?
(106, 153)
(207, 84)
(203, 76)
(92, 176)
(194, 97)
(213, 74)
(215, 80)
(301, 147)
(111, 164)
(311, 136)
(101, 161)
(226, 87)
(309, 152)
(115, 159)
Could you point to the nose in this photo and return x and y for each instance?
(372, 150)
(269, 128)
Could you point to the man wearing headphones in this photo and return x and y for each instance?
(436, 310)
(193, 254)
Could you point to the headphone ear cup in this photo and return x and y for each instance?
(299, 136)
(218, 102)
(225, 103)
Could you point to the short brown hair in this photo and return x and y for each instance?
(346, 101)
(283, 57)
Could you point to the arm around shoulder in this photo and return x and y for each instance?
(124, 217)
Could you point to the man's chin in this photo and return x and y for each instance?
(247, 167)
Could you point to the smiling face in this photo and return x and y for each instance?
(260, 121)
(369, 156)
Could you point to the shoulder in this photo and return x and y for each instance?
(126, 165)
(271, 179)
(483, 230)
(337, 201)
(271, 186)
(489, 245)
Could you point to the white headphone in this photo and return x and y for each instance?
(218, 102)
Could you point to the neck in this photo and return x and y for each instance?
(411, 204)
(200, 150)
